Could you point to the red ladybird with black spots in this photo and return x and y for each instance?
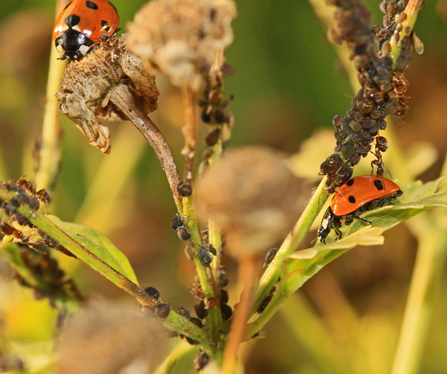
(355, 197)
(81, 24)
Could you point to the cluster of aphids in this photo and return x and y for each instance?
(25, 195)
(381, 93)
(50, 278)
(215, 108)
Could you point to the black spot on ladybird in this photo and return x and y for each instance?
(72, 20)
(350, 182)
(91, 5)
(351, 199)
(378, 184)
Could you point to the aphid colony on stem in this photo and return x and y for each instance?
(382, 82)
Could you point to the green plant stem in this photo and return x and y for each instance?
(181, 350)
(293, 240)
(50, 151)
(300, 318)
(411, 11)
(205, 273)
(425, 281)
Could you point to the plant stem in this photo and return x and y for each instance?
(123, 99)
(177, 353)
(425, 281)
(293, 240)
(50, 150)
(246, 276)
(411, 11)
(190, 133)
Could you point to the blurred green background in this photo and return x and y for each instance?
(288, 84)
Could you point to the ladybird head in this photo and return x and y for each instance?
(72, 44)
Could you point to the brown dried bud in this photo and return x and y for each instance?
(86, 90)
(117, 336)
(181, 37)
(253, 197)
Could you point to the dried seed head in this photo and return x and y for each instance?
(181, 37)
(87, 88)
(117, 336)
(252, 196)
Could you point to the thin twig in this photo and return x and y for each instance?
(123, 99)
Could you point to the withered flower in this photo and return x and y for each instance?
(181, 37)
(105, 339)
(253, 197)
(88, 87)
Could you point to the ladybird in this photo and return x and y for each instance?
(354, 198)
(81, 24)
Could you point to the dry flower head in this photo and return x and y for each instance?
(253, 197)
(87, 88)
(181, 37)
(104, 339)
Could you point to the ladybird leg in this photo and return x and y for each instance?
(364, 220)
(338, 232)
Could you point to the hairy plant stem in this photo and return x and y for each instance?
(247, 271)
(123, 99)
(293, 240)
(190, 133)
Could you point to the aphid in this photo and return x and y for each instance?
(200, 309)
(270, 256)
(227, 312)
(176, 222)
(152, 291)
(183, 233)
(201, 361)
(162, 310)
(355, 197)
(184, 190)
(204, 256)
(81, 24)
(184, 312)
(197, 292)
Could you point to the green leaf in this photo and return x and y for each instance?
(99, 245)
